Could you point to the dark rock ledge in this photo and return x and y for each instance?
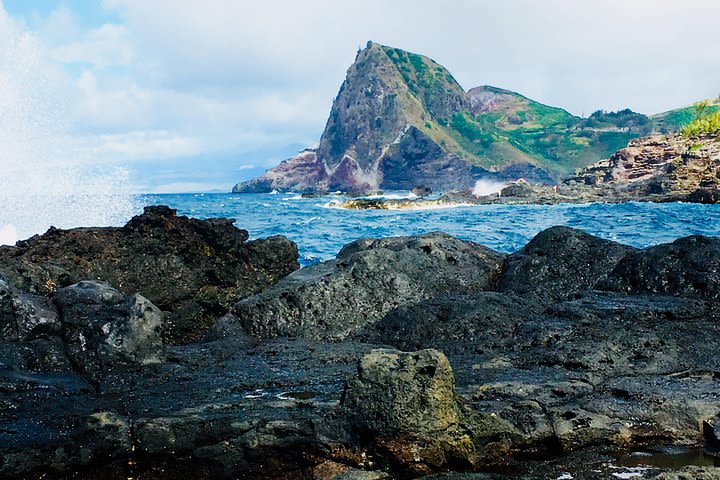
(402, 358)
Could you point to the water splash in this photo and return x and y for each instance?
(487, 187)
(46, 179)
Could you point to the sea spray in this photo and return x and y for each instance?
(485, 187)
(46, 178)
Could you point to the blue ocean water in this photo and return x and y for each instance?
(320, 230)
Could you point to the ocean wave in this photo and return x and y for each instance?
(8, 235)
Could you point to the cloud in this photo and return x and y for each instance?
(141, 145)
(108, 45)
(230, 79)
(579, 55)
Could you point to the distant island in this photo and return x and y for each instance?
(401, 121)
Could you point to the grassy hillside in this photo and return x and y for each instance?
(512, 128)
(488, 126)
(673, 120)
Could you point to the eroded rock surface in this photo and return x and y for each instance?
(572, 371)
(368, 278)
(193, 270)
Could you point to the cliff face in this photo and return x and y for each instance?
(386, 99)
(683, 164)
(401, 120)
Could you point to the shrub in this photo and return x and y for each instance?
(706, 122)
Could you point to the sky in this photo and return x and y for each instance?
(195, 95)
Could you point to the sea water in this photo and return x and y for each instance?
(320, 230)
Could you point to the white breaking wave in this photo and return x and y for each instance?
(487, 187)
(45, 177)
(8, 235)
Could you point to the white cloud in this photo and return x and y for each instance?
(142, 145)
(229, 77)
(109, 45)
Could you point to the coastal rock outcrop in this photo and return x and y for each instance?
(453, 323)
(103, 328)
(558, 262)
(576, 367)
(687, 267)
(401, 120)
(407, 402)
(193, 270)
(368, 278)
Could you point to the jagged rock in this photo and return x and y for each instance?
(597, 371)
(102, 328)
(558, 262)
(367, 279)
(687, 267)
(192, 269)
(24, 316)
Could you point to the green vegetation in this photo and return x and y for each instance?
(674, 120)
(511, 128)
(428, 81)
(706, 121)
(522, 130)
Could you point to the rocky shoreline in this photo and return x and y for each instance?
(658, 169)
(175, 348)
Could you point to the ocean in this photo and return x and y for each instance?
(320, 230)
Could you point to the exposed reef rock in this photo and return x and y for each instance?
(411, 356)
(193, 270)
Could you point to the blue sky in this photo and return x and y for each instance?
(199, 94)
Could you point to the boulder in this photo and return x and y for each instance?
(560, 261)
(25, 316)
(192, 269)
(687, 267)
(368, 278)
(421, 191)
(406, 403)
(102, 328)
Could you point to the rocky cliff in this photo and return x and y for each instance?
(401, 120)
(674, 167)
(657, 168)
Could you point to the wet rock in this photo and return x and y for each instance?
(455, 323)
(617, 334)
(24, 316)
(421, 191)
(711, 432)
(102, 328)
(329, 470)
(406, 401)
(687, 267)
(104, 436)
(558, 262)
(368, 278)
(192, 269)
(691, 473)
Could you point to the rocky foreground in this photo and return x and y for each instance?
(401, 358)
